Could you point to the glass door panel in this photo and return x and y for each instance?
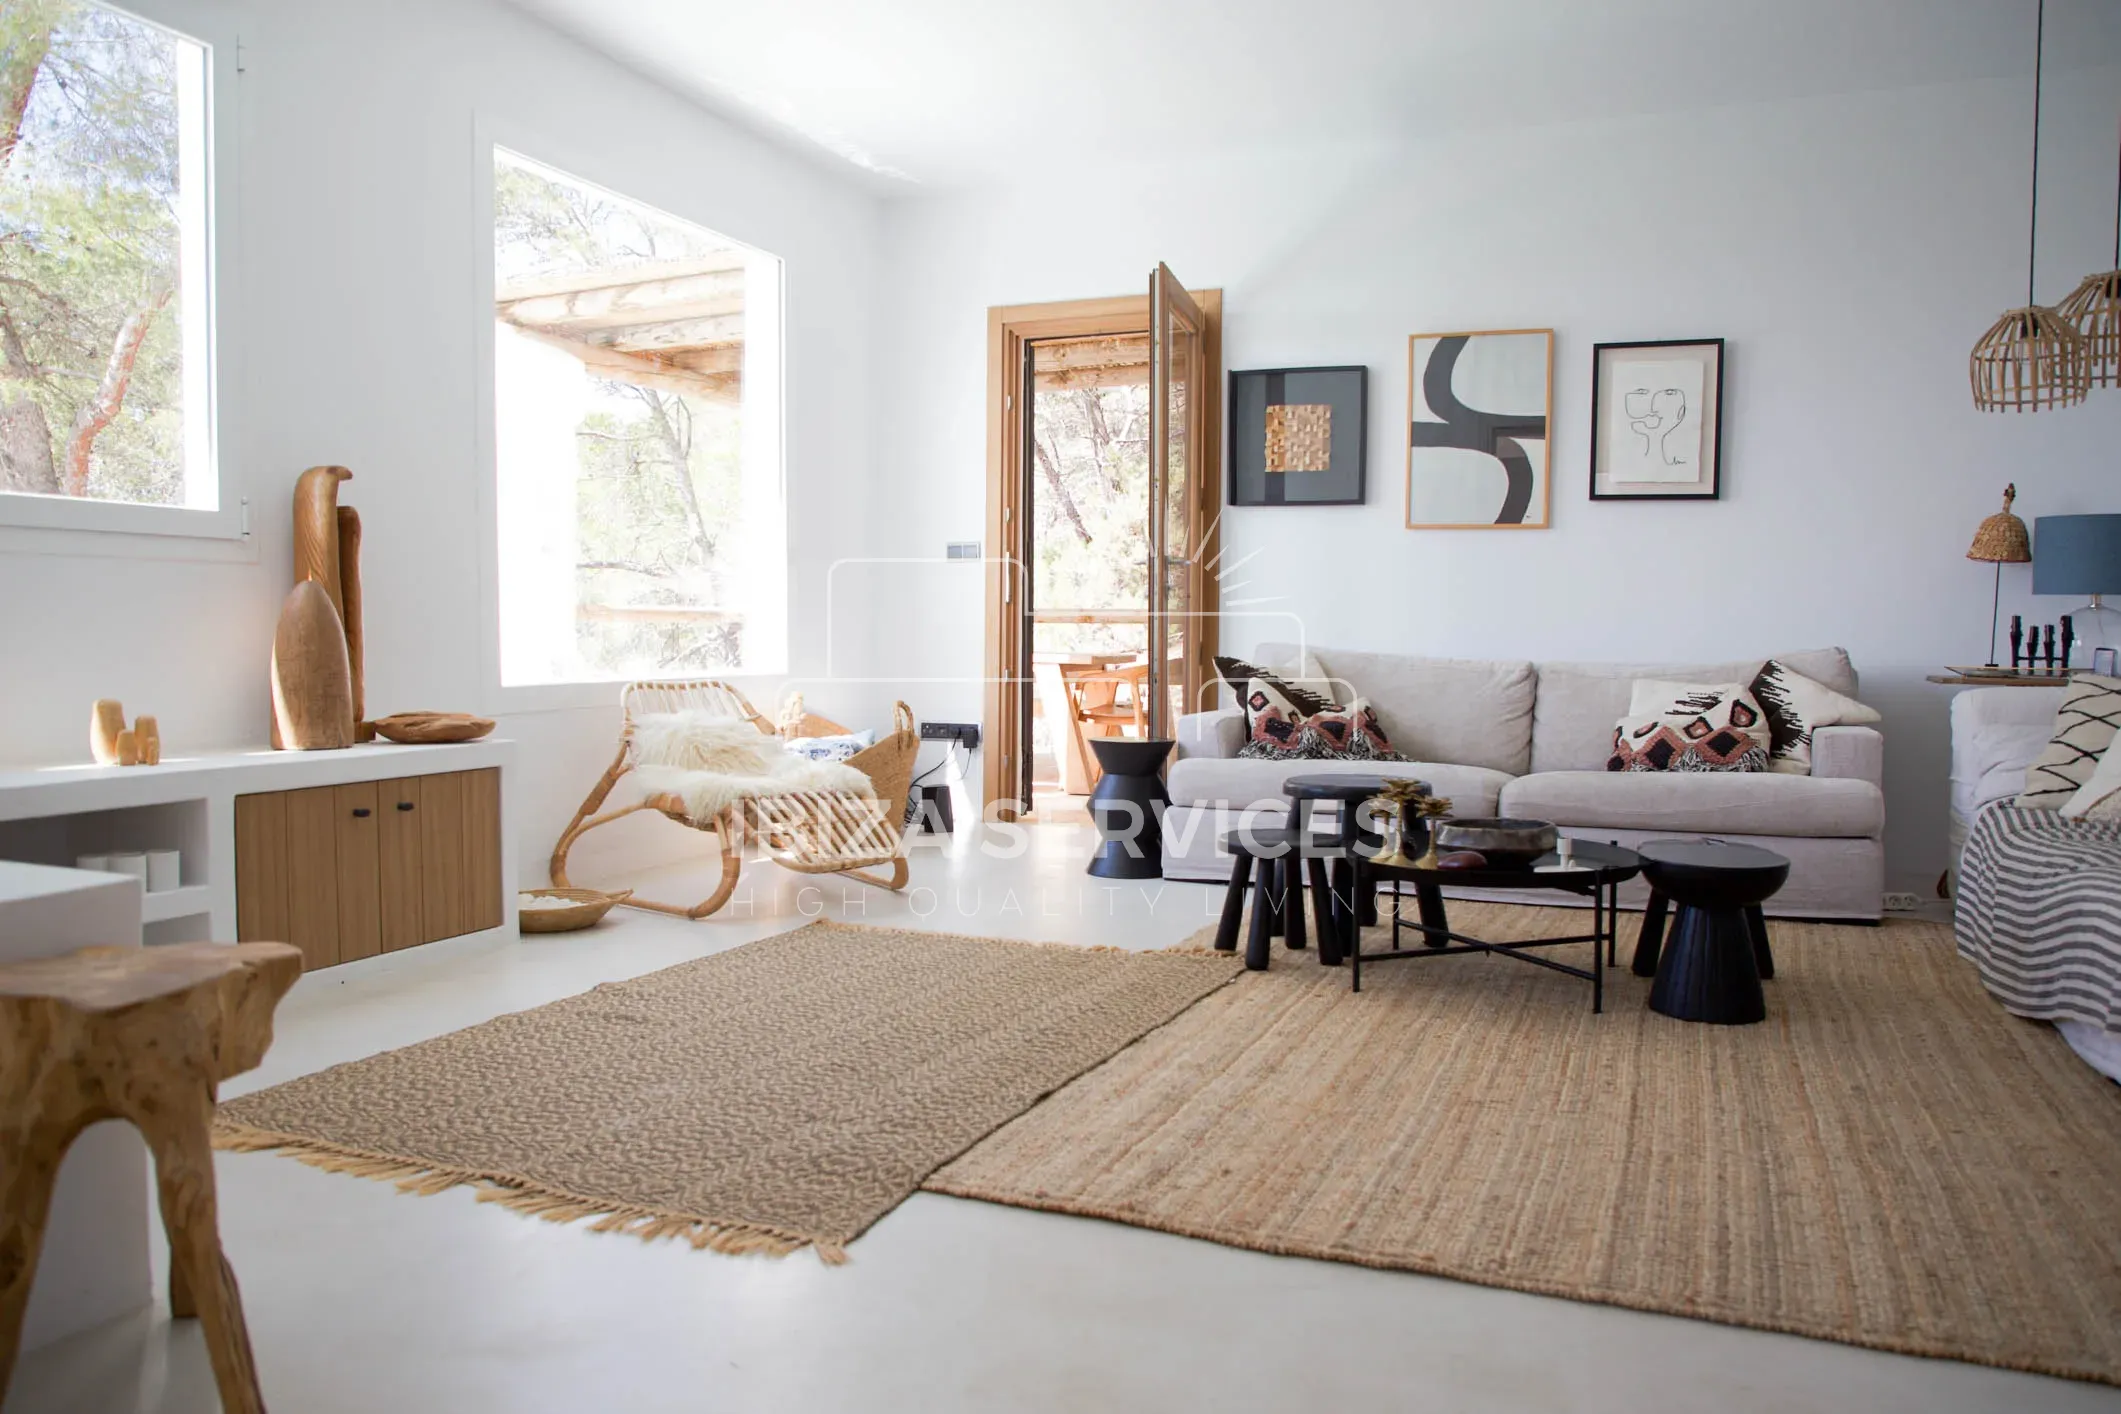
(1175, 480)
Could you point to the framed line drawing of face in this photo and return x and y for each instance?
(1480, 406)
(1657, 420)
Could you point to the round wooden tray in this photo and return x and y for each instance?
(590, 905)
(426, 728)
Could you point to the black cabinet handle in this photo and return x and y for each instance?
(360, 812)
(404, 805)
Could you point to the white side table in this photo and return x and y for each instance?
(95, 1265)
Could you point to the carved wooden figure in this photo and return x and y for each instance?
(143, 1035)
(128, 748)
(147, 739)
(350, 615)
(312, 688)
(106, 719)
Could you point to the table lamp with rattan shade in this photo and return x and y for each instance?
(2001, 540)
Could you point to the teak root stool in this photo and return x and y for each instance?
(140, 1034)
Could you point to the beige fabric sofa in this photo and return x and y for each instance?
(1531, 739)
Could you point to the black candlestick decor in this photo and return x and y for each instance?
(2069, 640)
(2017, 637)
(2048, 649)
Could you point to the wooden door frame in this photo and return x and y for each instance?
(1009, 328)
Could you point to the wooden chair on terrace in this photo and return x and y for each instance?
(809, 832)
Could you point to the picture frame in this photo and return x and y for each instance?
(1479, 430)
(1299, 436)
(1657, 420)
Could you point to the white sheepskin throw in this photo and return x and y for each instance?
(711, 762)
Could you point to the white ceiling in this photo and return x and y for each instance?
(928, 94)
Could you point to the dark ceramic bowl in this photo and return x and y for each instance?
(1508, 844)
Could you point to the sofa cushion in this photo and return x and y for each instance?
(1720, 803)
(1577, 704)
(1202, 780)
(1465, 710)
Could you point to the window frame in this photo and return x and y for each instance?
(587, 160)
(66, 524)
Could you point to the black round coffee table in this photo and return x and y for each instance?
(1595, 871)
(1127, 806)
(1710, 968)
(1351, 791)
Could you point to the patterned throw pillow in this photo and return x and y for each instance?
(2084, 728)
(1717, 727)
(1293, 698)
(1348, 733)
(830, 748)
(1796, 706)
(2100, 797)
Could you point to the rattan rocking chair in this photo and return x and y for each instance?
(810, 832)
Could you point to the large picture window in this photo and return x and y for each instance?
(106, 311)
(636, 439)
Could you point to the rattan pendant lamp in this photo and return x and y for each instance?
(2094, 307)
(2031, 358)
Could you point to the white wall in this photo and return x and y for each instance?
(354, 319)
(1849, 248)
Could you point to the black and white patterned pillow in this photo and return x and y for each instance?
(1795, 706)
(2085, 726)
(1246, 679)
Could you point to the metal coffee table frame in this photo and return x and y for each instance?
(1598, 873)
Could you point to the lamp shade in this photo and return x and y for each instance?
(2078, 555)
(2001, 538)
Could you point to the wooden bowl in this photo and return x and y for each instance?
(1508, 844)
(428, 728)
(589, 906)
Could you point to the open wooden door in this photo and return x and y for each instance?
(1180, 505)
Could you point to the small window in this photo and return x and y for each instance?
(636, 439)
(106, 311)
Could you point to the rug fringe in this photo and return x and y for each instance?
(735, 1239)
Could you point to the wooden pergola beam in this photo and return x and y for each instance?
(609, 303)
(651, 370)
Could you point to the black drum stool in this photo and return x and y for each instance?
(1710, 968)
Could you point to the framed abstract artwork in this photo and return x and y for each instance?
(1657, 420)
(1296, 436)
(1480, 406)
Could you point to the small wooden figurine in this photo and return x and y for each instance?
(147, 740)
(106, 720)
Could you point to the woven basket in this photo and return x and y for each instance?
(2001, 539)
(589, 906)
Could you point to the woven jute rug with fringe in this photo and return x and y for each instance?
(783, 1094)
(1889, 1160)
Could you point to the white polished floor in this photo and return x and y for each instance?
(361, 1299)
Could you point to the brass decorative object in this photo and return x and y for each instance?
(1405, 802)
(2032, 357)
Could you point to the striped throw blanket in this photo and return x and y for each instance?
(2039, 914)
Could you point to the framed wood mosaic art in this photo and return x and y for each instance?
(1479, 406)
(1296, 436)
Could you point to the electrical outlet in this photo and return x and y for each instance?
(965, 734)
(1902, 903)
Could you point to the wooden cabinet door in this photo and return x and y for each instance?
(313, 874)
(399, 872)
(358, 847)
(460, 853)
(261, 868)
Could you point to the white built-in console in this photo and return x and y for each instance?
(343, 853)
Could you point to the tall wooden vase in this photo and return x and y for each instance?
(328, 553)
(312, 682)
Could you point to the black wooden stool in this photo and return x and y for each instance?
(1710, 968)
(1277, 895)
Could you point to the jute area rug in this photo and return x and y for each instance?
(1890, 1160)
(782, 1094)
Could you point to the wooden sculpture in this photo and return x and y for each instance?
(147, 740)
(128, 748)
(140, 1034)
(312, 685)
(106, 719)
(350, 615)
(328, 551)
